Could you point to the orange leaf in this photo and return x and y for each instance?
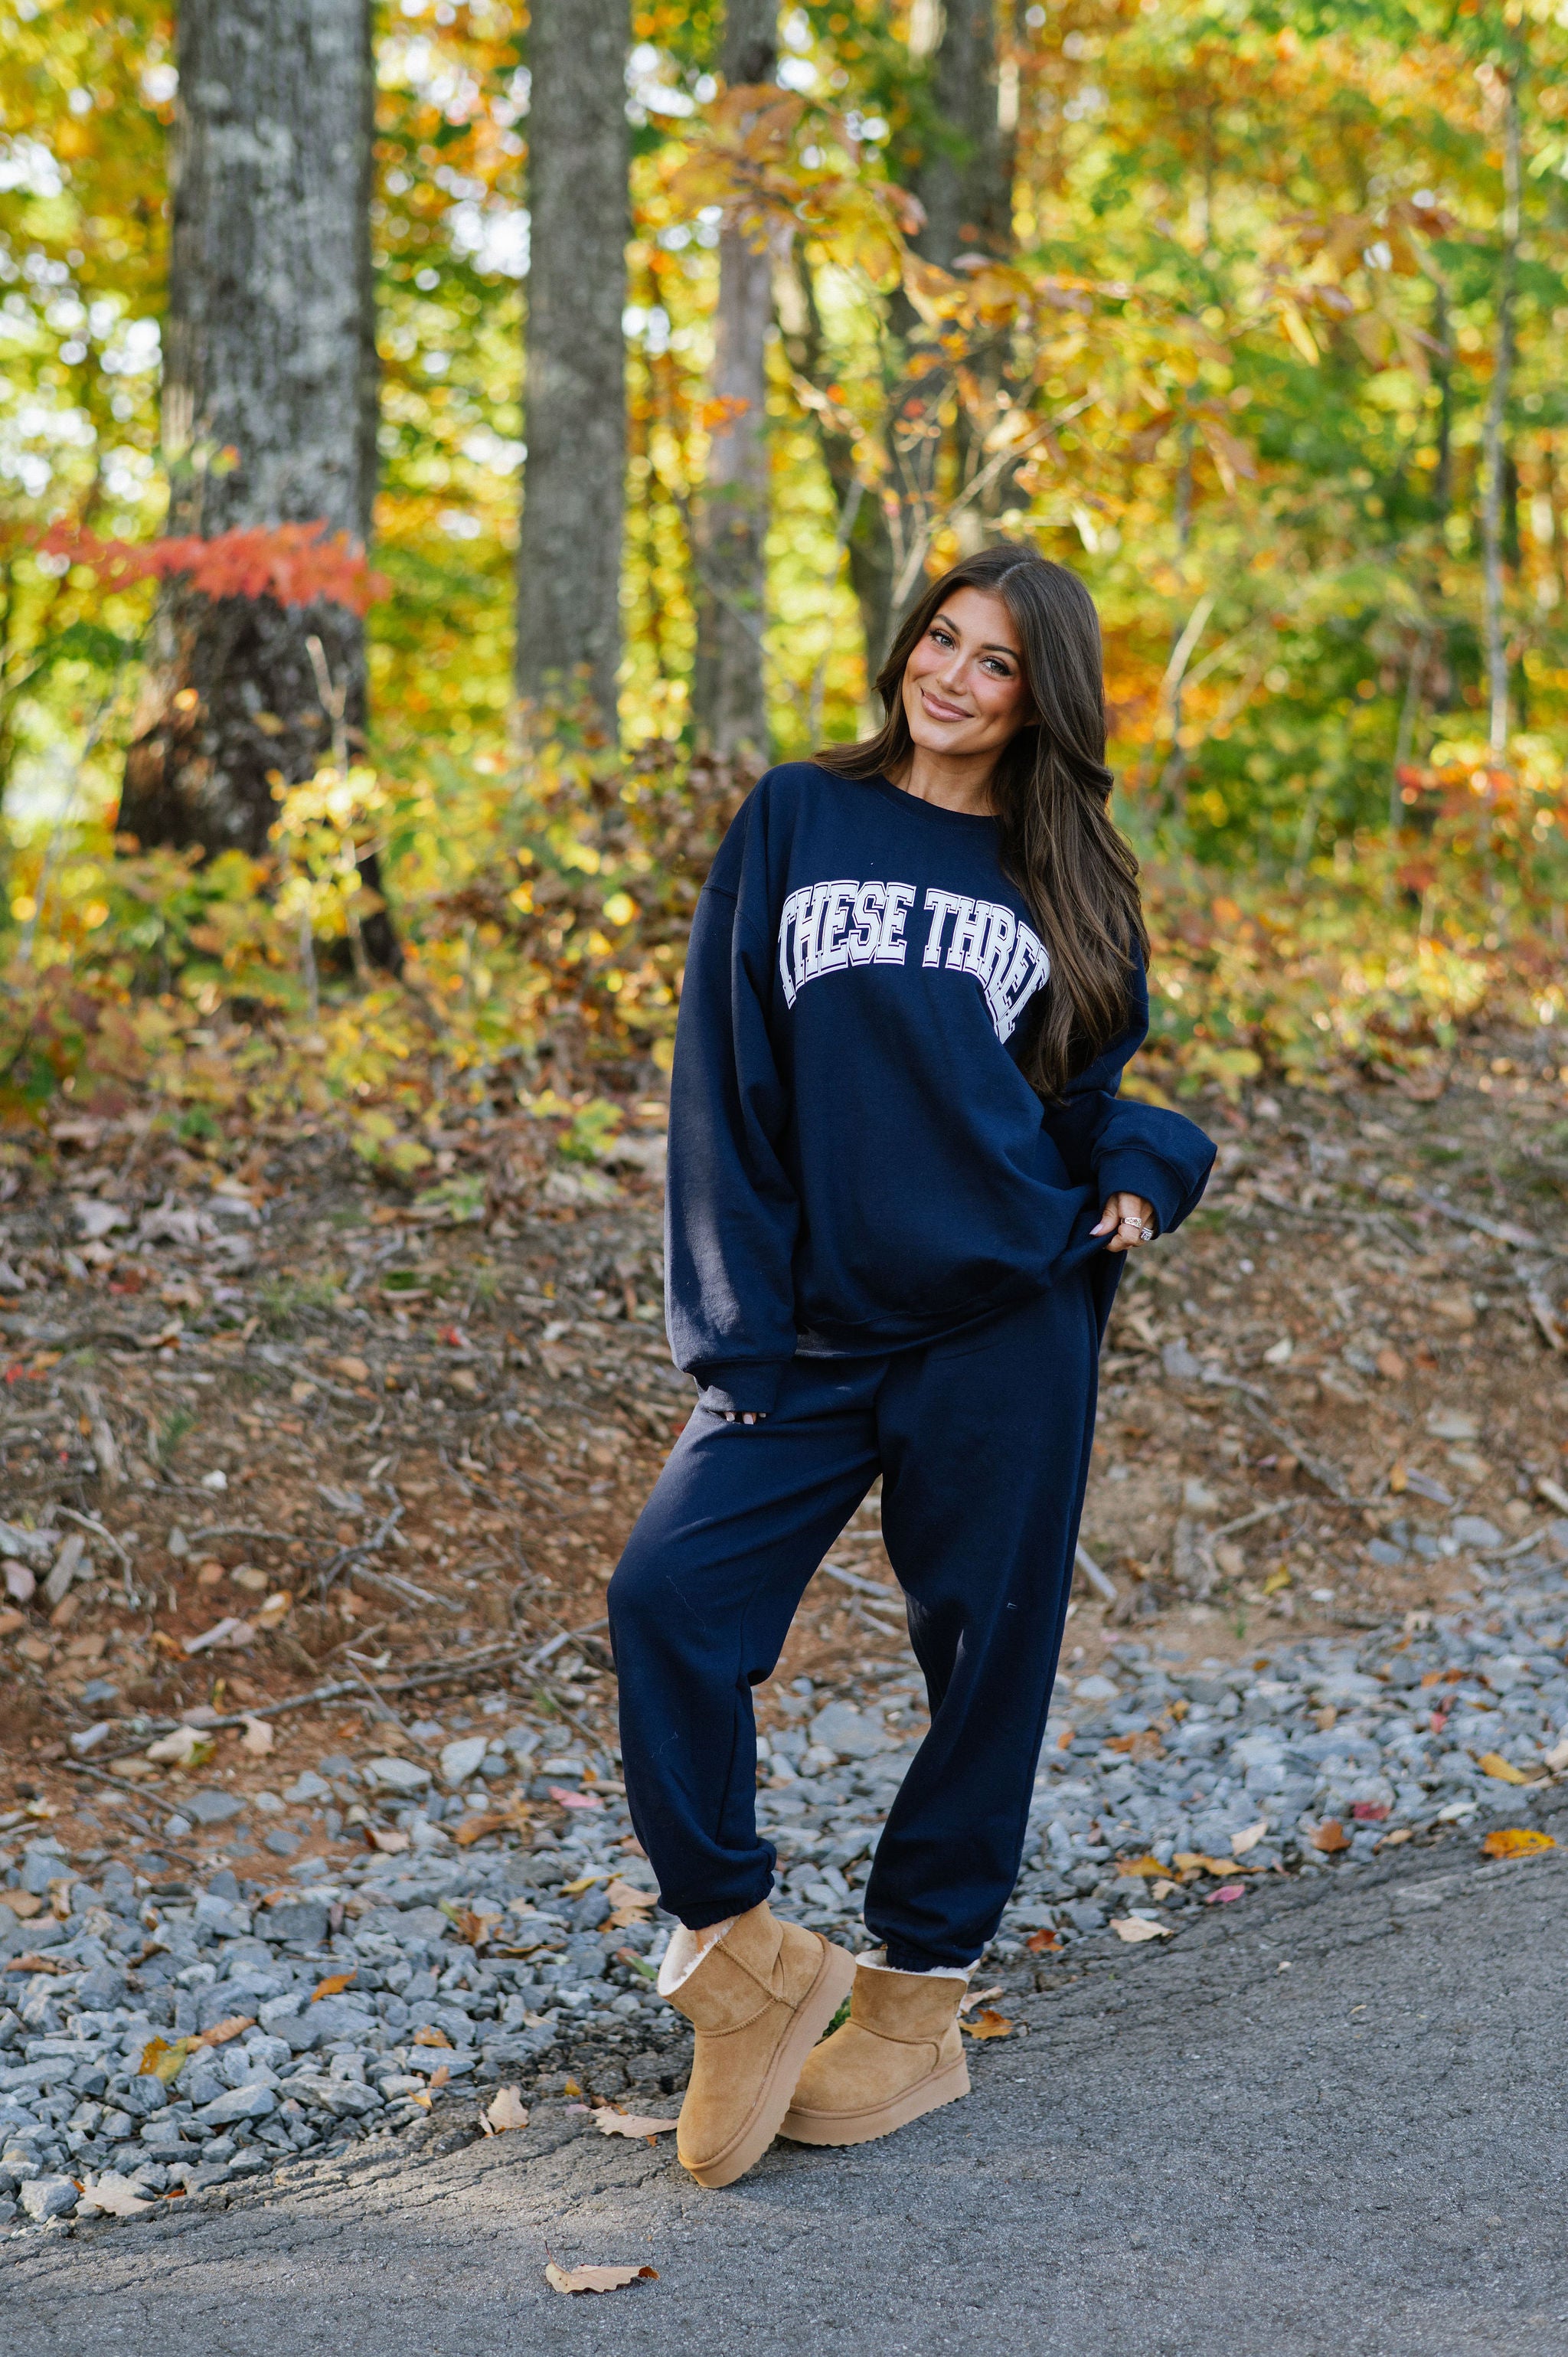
(1040, 1942)
(1492, 1763)
(1330, 1836)
(222, 2031)
(438, 2078)
(1145, 1865)
(429, 2037)
(1516, 1841)
(334, 1984)
(988, 2024)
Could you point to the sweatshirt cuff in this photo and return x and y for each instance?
(739, 1386)
(1127, 1171)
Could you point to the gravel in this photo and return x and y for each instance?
(1147, 1758)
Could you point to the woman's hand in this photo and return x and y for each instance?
(733, 1415)
(1128, 1221)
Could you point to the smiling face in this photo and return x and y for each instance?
(964, 690)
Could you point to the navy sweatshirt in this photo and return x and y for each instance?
(857, 1162)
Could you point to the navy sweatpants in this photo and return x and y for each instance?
(982, 1444)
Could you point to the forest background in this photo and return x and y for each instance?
(513, 434)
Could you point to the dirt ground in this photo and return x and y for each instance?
(313, 1439)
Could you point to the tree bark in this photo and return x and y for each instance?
(269, 408)
(728, 691)
(964, 178)
(1493, 441)
(569, 556)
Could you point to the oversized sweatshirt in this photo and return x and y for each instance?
(857, 1162)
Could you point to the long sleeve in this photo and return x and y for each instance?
(731, 1213)
(1123, 1144)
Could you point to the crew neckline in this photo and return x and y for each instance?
(908, 802)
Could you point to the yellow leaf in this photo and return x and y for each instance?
(1144, 1865)
(576, 1890)
(988, 2023)
(1516, 1841)
(1135, 1928)
(160, 2060)
(568, 2280)
(1492, 1763)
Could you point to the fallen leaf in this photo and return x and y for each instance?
(506, 2110)
(1144, 1743)
(597, 2278)
(277, 1609)
(257, 1739)
(1225, 1894)
(1516, 1841)
(438, 2078)
(1369, 1812)
(34, 1963)
(1242, 1842)
(576, 1890)
(114, 2194)
(1194, 1861)
(574, 1800)
(429, 2037)
(24, 1904)
(988, 2024)
(1146, 1865)
(627, 1898)
(1330, 1837)
(1557, 1758)
(1039, 1943)
(334, 1984)
(163, 2062)
(187, 1747)
(1399, 1834)
(1492, 1763)
(1133, 1928)
(973, 1998)
(610, 2122)
(221, 2032)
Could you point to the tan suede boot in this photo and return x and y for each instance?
(758, 2001)
(900, 2053)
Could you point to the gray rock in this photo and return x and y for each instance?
(459, 1760)
(1475, 1530)
(224, 1916)
(48, 2197)
(302, 1919)
(214, 1808)
(404, 1776)
(307, 1786)
(256, 2102)
(841, 1727)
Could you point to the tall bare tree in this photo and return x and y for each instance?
(269, 407)
(568, 566)
(729, 688)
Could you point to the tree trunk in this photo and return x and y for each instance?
(568, 564)
(728, 692)
(964, 177)
(269, 408)
(1493, 441)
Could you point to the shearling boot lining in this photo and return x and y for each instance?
(685, 1952)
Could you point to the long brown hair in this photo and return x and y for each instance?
(1050, 788)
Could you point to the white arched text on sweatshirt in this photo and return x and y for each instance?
(830, 928)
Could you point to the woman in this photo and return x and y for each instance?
(900, 1186)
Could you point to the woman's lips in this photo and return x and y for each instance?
(938, 708)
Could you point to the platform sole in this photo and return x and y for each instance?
(861, 2127)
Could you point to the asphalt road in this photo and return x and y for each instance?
(1197, 2150)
